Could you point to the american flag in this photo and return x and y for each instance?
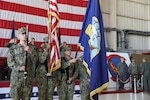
(34, 14)
(53, 26)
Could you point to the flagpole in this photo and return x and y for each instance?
(49, 37)
(49, 22)
(26, 61)
(13, 16)
(95, 59)
(53, 35)
(13, 27)
(77, 49)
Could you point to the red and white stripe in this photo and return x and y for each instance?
(34, 14)
(53, 25)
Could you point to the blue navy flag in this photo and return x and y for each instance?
(13, 29)
(92, 42)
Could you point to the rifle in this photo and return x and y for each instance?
(72, 69)
(26, 61)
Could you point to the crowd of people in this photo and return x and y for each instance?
(135, 73)
(28, 63)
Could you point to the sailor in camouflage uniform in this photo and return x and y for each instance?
(41, 71)
(69, 73)
(122, 72)
(34, 49)
(133, 71)
(20, 88)
(84, 80)
(53, 82)
(145, 72)
(10, 45)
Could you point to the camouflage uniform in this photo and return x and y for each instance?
(67, 90)
(62, 48)
(11, 42)
(84, 82)
(133, 71)
(122, 70)
(9, 45)
(53, 81)
(16, 59)
(145, 71)
(34, 49)
(41, 72)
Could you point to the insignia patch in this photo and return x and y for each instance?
(113, 61)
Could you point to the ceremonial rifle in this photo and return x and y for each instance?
(26, 61)
(72, 69)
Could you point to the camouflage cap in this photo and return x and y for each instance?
(45, 39)
(67, 47)
(21, 30)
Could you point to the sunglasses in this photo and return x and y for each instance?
(23, 33)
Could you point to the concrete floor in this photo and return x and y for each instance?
(117, 96)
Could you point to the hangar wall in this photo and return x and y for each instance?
(127, 14)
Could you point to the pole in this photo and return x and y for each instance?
(26, 62)
(49, 38)
(130, 85)
(117, 83)
(135, 89)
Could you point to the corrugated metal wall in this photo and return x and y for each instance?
(105, 6)
(138, 42)
(149, 15)
(133, 15)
